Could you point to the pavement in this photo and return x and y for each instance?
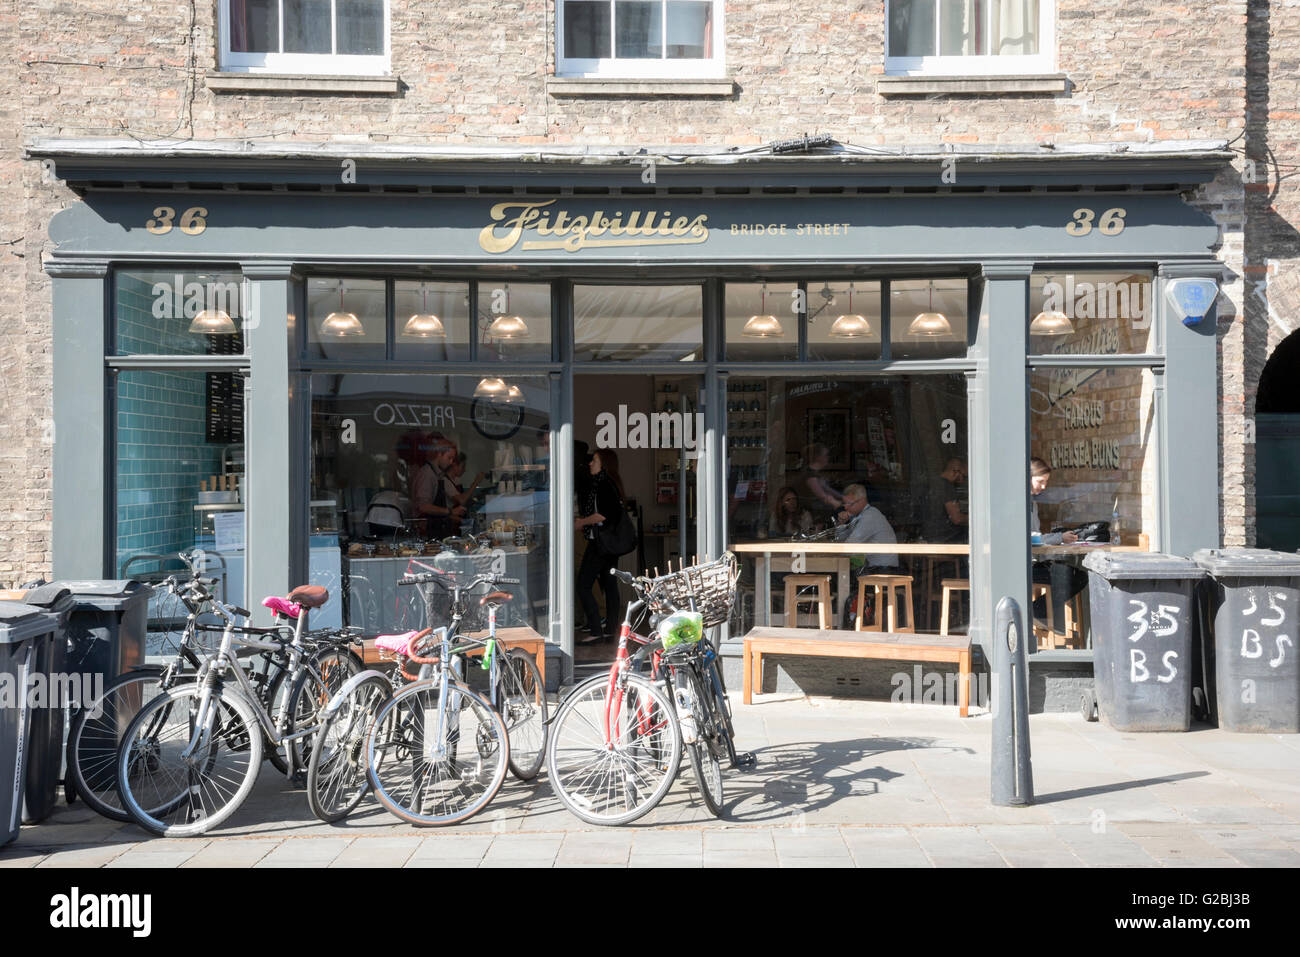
(838, 783)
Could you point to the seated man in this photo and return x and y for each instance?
(865, 524)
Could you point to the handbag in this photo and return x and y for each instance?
(620, 538)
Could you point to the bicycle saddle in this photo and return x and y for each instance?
(395, 643)
(310, 596)
(282, 606)
(497, 598)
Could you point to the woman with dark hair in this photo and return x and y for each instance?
(601, 504)
(788, 519)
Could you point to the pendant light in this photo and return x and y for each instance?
(852, 325)
(424, 324)
(1051, 322)
(514, 396)
(508, 326)
(930, 324)
(213, 322)
(491, 388)
(341, 324)
(764, 325)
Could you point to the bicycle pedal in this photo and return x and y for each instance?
(746, 761)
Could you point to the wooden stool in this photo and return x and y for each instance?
(1073, 629)
(951, 586)
(885, 595)
(1046, 636)
(933, 571)
(822, 599)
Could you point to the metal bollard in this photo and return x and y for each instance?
(1012, 772)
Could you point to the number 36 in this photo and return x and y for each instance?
(1111, 223)
(193, 221)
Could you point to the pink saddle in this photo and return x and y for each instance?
(282, 606)
(396, 644)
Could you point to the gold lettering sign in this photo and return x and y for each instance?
(510, 220)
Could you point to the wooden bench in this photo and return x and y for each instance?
(854, 644)
(522, 637)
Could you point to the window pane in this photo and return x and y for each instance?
(638, 323)
(1099, 313)
(808, 441)
(1093, 428)
(690, 30)
(586, 30)
(835, 330)
(388, 487)
(345, 318)
(514, 320)
(927, 318)
(638, 29)
(963, 27)
(1015, 27)
(911, 27)
(178, 313)
(360, 27)
(254, 26)
(762, 321)
(307, 26)
(180, 479)
(432, 320)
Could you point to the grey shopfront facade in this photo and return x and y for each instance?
(280, 217)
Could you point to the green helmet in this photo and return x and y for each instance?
(681, 629)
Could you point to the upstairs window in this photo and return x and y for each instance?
(305, 36)
(639, 38)
(969, 37)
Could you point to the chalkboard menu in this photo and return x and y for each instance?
(225, 395)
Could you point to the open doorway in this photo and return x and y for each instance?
(1277, 450)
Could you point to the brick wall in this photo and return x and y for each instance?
(475, 72)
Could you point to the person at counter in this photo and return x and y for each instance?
(945, 520)
(602, 502)
(1040, 474)
(1065, 579)
(461, 496)
(788, 519)
(433, 492)
(863, 523)
(819, 456)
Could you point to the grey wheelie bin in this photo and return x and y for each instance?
(57, 693)
(1142, 622)
(107, 627)
(23, 628)
(1254, 600)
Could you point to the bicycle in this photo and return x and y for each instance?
(616, 745)
(337, 780)
(173, 774)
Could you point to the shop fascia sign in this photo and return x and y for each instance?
(556, 228)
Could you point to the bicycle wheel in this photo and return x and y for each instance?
(522, 698)
(172, 794)
(96, 734)
(430, 766)
(318, 682)
(618, 782)
(706, 749)
(336, 771)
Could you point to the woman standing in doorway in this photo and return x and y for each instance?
(600, 505)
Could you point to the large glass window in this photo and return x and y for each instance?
(1091, 313)
(969, 36)
(401, 462)
(640, 38)
(179, 313)
(305, 36)
(638, 323)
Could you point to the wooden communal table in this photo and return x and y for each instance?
(521, 637)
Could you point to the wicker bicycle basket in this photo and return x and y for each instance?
(708, 588)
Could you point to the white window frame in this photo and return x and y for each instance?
(325, 64)
(625, 68)
(989, 65)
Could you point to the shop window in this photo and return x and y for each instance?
(392, 454)
(180, 475)
(514, 320)
(178, 313)
(763, 321)
(927, 318)
(431, 320)
(960, 37)
(305, 36)
(799, 448)
(639, 38)
(638, 323)
(844, 320)
(346, 318)
(1093, 431)
(1091, 313)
